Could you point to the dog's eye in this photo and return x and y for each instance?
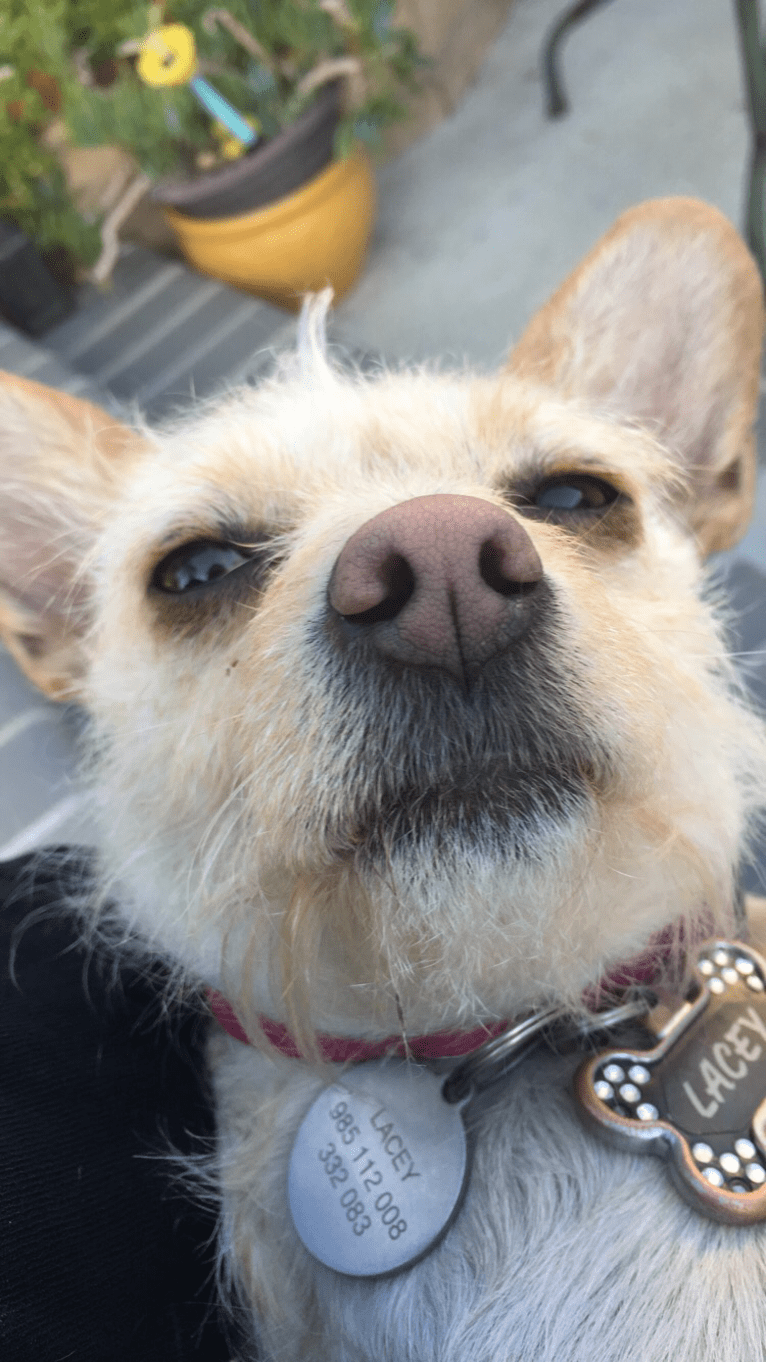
(567, 498)
(574, 492)
(198, 564)
(581, 504)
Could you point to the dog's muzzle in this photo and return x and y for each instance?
(447, 654)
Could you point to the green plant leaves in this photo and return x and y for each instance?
(166, 129)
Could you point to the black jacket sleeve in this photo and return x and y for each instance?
(102, 1257)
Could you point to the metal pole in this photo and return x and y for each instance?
(556, 100)
(749, 27)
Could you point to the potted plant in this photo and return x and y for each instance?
(314, 80)
(82, 137)
(42, 233)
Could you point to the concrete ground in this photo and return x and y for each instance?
(482, 218)
(478, 222)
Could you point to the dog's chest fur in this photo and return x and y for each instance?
(564, 1248)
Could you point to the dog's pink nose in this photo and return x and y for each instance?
(439, 581)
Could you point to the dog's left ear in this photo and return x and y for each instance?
(662, 324)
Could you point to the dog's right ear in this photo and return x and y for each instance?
(62, 461)
(661, 324)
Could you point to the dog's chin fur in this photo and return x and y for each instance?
(356, 846)
(489, 768)
(370, 925)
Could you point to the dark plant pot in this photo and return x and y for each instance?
(265, 174)
(30, 297)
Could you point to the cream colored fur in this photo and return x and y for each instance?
(234, 762)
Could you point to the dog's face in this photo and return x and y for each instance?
(406, 707)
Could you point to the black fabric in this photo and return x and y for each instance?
(102, 1257)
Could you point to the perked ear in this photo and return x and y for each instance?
(61, 462)
(662, 324)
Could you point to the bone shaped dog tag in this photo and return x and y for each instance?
(378, 1169)
(698, 1099)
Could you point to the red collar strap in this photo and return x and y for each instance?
(641, 971)
(345, 1050)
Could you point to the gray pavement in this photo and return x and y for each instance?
(478, 222)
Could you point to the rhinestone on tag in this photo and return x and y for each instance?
(630, 1093)
(702, 1153)
(378, 1169)
(646, 1112)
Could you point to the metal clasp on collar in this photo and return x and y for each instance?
(497, 1057)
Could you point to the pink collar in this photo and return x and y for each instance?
(643, 970)
(345, 1050)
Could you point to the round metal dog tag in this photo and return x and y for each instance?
(378, 1169)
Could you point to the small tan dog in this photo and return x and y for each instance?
(409, 716)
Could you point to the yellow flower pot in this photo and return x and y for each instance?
(317, 235)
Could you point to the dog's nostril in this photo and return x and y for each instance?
(502, 577)
(397, 582)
